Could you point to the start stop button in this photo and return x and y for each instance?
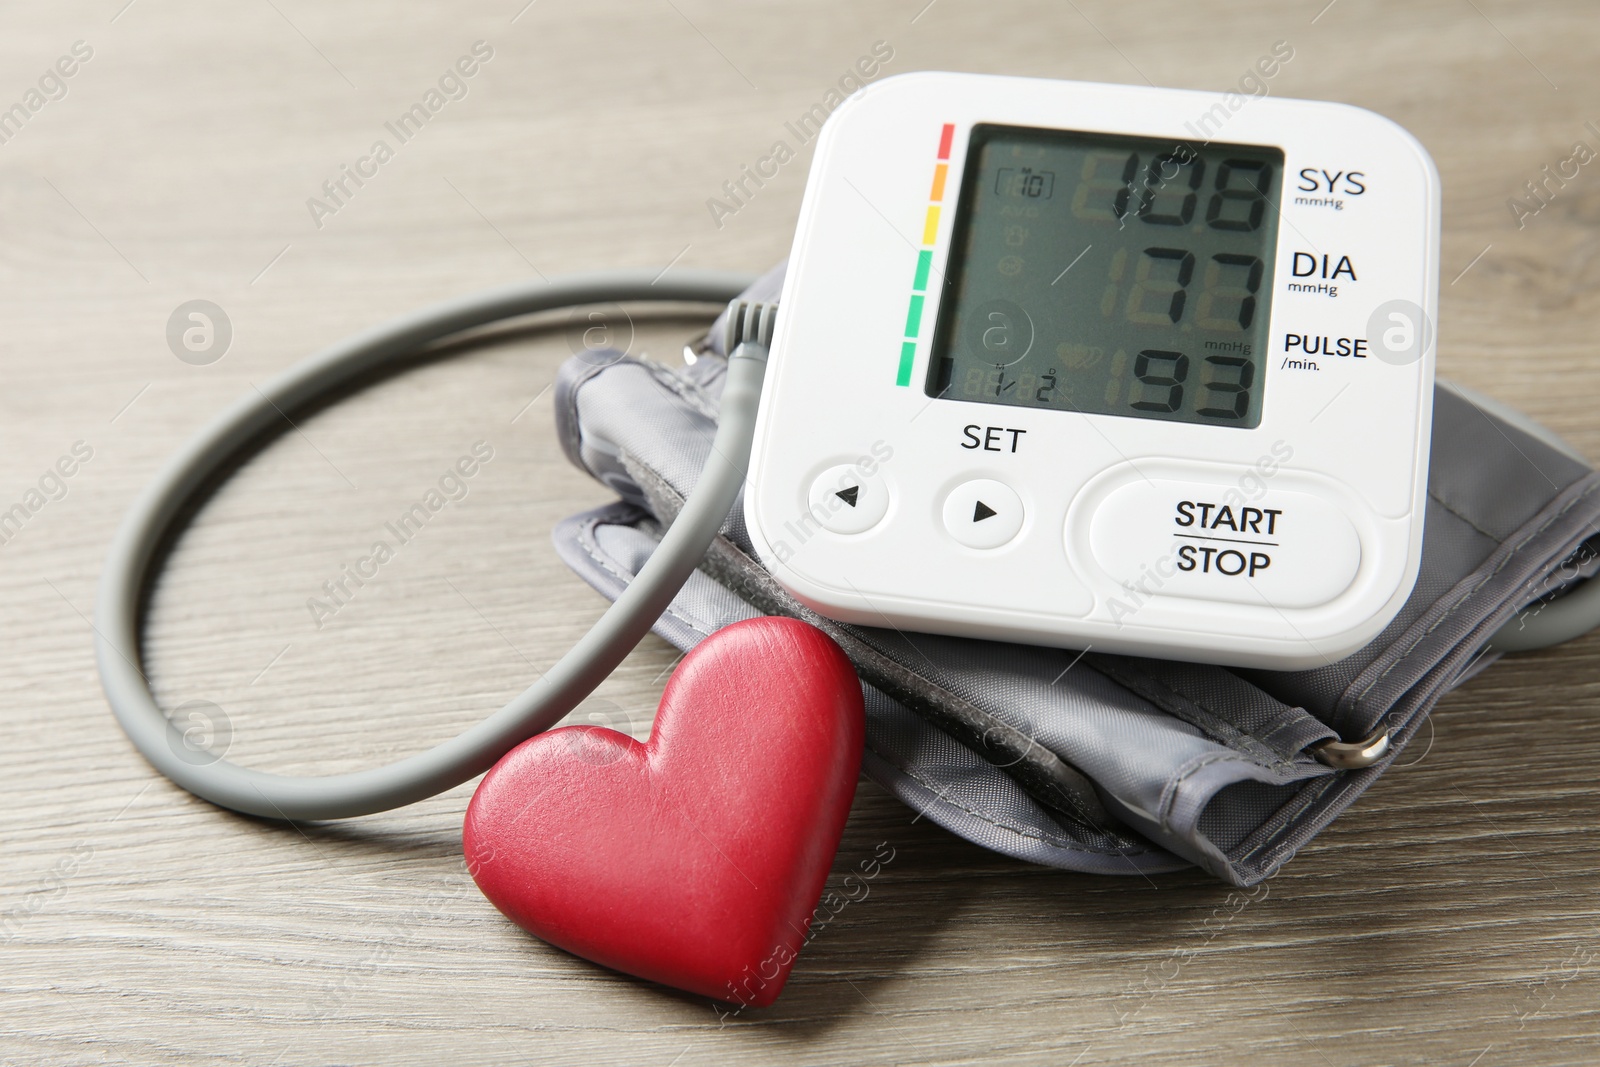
(1192, 539)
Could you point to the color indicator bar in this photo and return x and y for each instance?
(930, 237)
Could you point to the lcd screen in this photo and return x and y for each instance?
(1110, 275)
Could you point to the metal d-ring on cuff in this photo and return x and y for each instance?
(1354, 755)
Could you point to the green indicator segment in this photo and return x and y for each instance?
(908, 349)
(914, 316)
(908, 356)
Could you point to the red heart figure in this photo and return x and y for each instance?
(697, 859)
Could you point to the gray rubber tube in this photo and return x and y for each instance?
(186, 476)
(178, 486)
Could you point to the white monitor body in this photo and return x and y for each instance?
(1132, 486)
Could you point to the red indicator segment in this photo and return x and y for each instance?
(945, 138)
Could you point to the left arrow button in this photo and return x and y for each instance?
(847, 499)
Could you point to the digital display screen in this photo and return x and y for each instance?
(1110, 275)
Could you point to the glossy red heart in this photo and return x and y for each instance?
(696, 859)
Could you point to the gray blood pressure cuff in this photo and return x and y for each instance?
(1094, 762)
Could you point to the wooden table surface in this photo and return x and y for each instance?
(1449, 918)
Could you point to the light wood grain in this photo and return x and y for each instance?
(1449, 918)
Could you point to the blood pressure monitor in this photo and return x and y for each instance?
(1143, 370)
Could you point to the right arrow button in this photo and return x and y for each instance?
(983, 513)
